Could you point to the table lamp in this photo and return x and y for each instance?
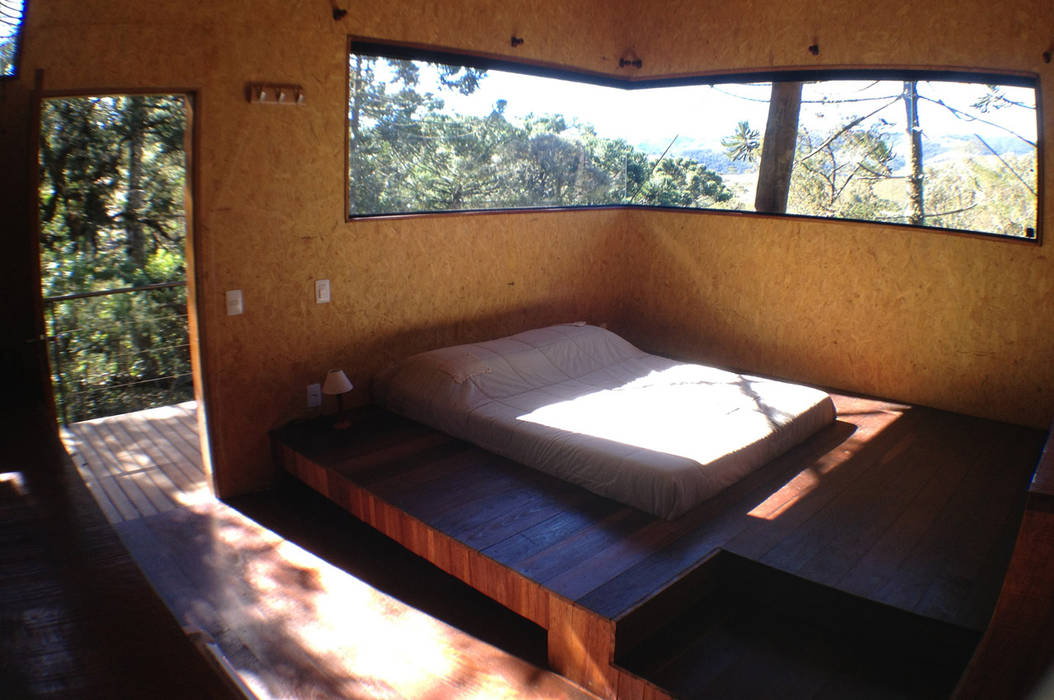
(337, 384)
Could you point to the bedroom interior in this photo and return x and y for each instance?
(956, 326)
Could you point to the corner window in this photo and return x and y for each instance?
(441, 133)
(11, 15)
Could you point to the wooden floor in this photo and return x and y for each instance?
(907, 507)
(77, 617)
(290, 623)
(141, 463)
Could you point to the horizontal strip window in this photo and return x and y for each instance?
(435, 132)
(12, 13)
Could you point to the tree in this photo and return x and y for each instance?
(112, 216)
(777, 155)
(409, 153)
(916, 199)
(744, 144)
(836, 174)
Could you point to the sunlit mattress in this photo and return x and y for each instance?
(580, 403)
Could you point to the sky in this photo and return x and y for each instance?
(702, 115)
(10, 14)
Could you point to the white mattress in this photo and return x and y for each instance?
(581, 403)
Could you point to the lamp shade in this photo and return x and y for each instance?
(336, 382)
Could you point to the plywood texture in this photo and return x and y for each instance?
(930, 318)
(955, 322)
(676, 37)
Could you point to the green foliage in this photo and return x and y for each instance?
(112, 173)
(407, 153)
(744, 144)
(852, 170)
(835, 174)
(980, 193)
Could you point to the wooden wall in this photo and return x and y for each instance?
(957, 322)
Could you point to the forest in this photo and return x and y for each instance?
(877, 161)
(112, 233)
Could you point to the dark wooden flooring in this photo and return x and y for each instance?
(761, 633)
(907, 506)
(1016, 656)
(77, 618)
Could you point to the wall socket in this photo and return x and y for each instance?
(234, 302)
(321, 291)
(314, 395)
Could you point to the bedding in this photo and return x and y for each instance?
(583, 404)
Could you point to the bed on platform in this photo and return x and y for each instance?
(581, 403)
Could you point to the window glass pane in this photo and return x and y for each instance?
(432, 137)
(11, 12)
(968, 160)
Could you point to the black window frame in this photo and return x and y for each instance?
(419, 52)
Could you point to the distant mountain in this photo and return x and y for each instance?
(698, 150)
(934, 150)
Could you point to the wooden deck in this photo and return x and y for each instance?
(289, 623)
(142, 463)
(911, 509)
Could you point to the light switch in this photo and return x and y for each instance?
(314, 395)
(234, 302)
(321, 291)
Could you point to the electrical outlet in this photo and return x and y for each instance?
(314, 395)
(234, 302)
(321, 291)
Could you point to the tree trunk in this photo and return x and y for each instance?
(777, 151)
(916, 205)
(135, 118)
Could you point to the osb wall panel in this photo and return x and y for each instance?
(688, 36)
(956, 322)
(271, 196)
(950, 321)
(270, 209)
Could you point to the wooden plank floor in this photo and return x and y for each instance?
(906, 506)
(142, 463)
(77, 618)
(294, 625)
(290, 623)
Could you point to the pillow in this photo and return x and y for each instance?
(457, 363)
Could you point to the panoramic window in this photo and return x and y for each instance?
(11, 13)
(446, 134)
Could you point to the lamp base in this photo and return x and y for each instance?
(340, 422)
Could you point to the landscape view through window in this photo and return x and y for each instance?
(434, 137)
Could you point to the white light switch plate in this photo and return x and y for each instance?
(321, 291)
(234, 302)
(314, 395)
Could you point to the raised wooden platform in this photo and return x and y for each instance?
(908, 507)
(1017, 652)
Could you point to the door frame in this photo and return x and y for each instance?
(192, 245)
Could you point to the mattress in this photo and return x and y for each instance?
(585, 405)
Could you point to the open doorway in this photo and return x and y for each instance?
(114, 259)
